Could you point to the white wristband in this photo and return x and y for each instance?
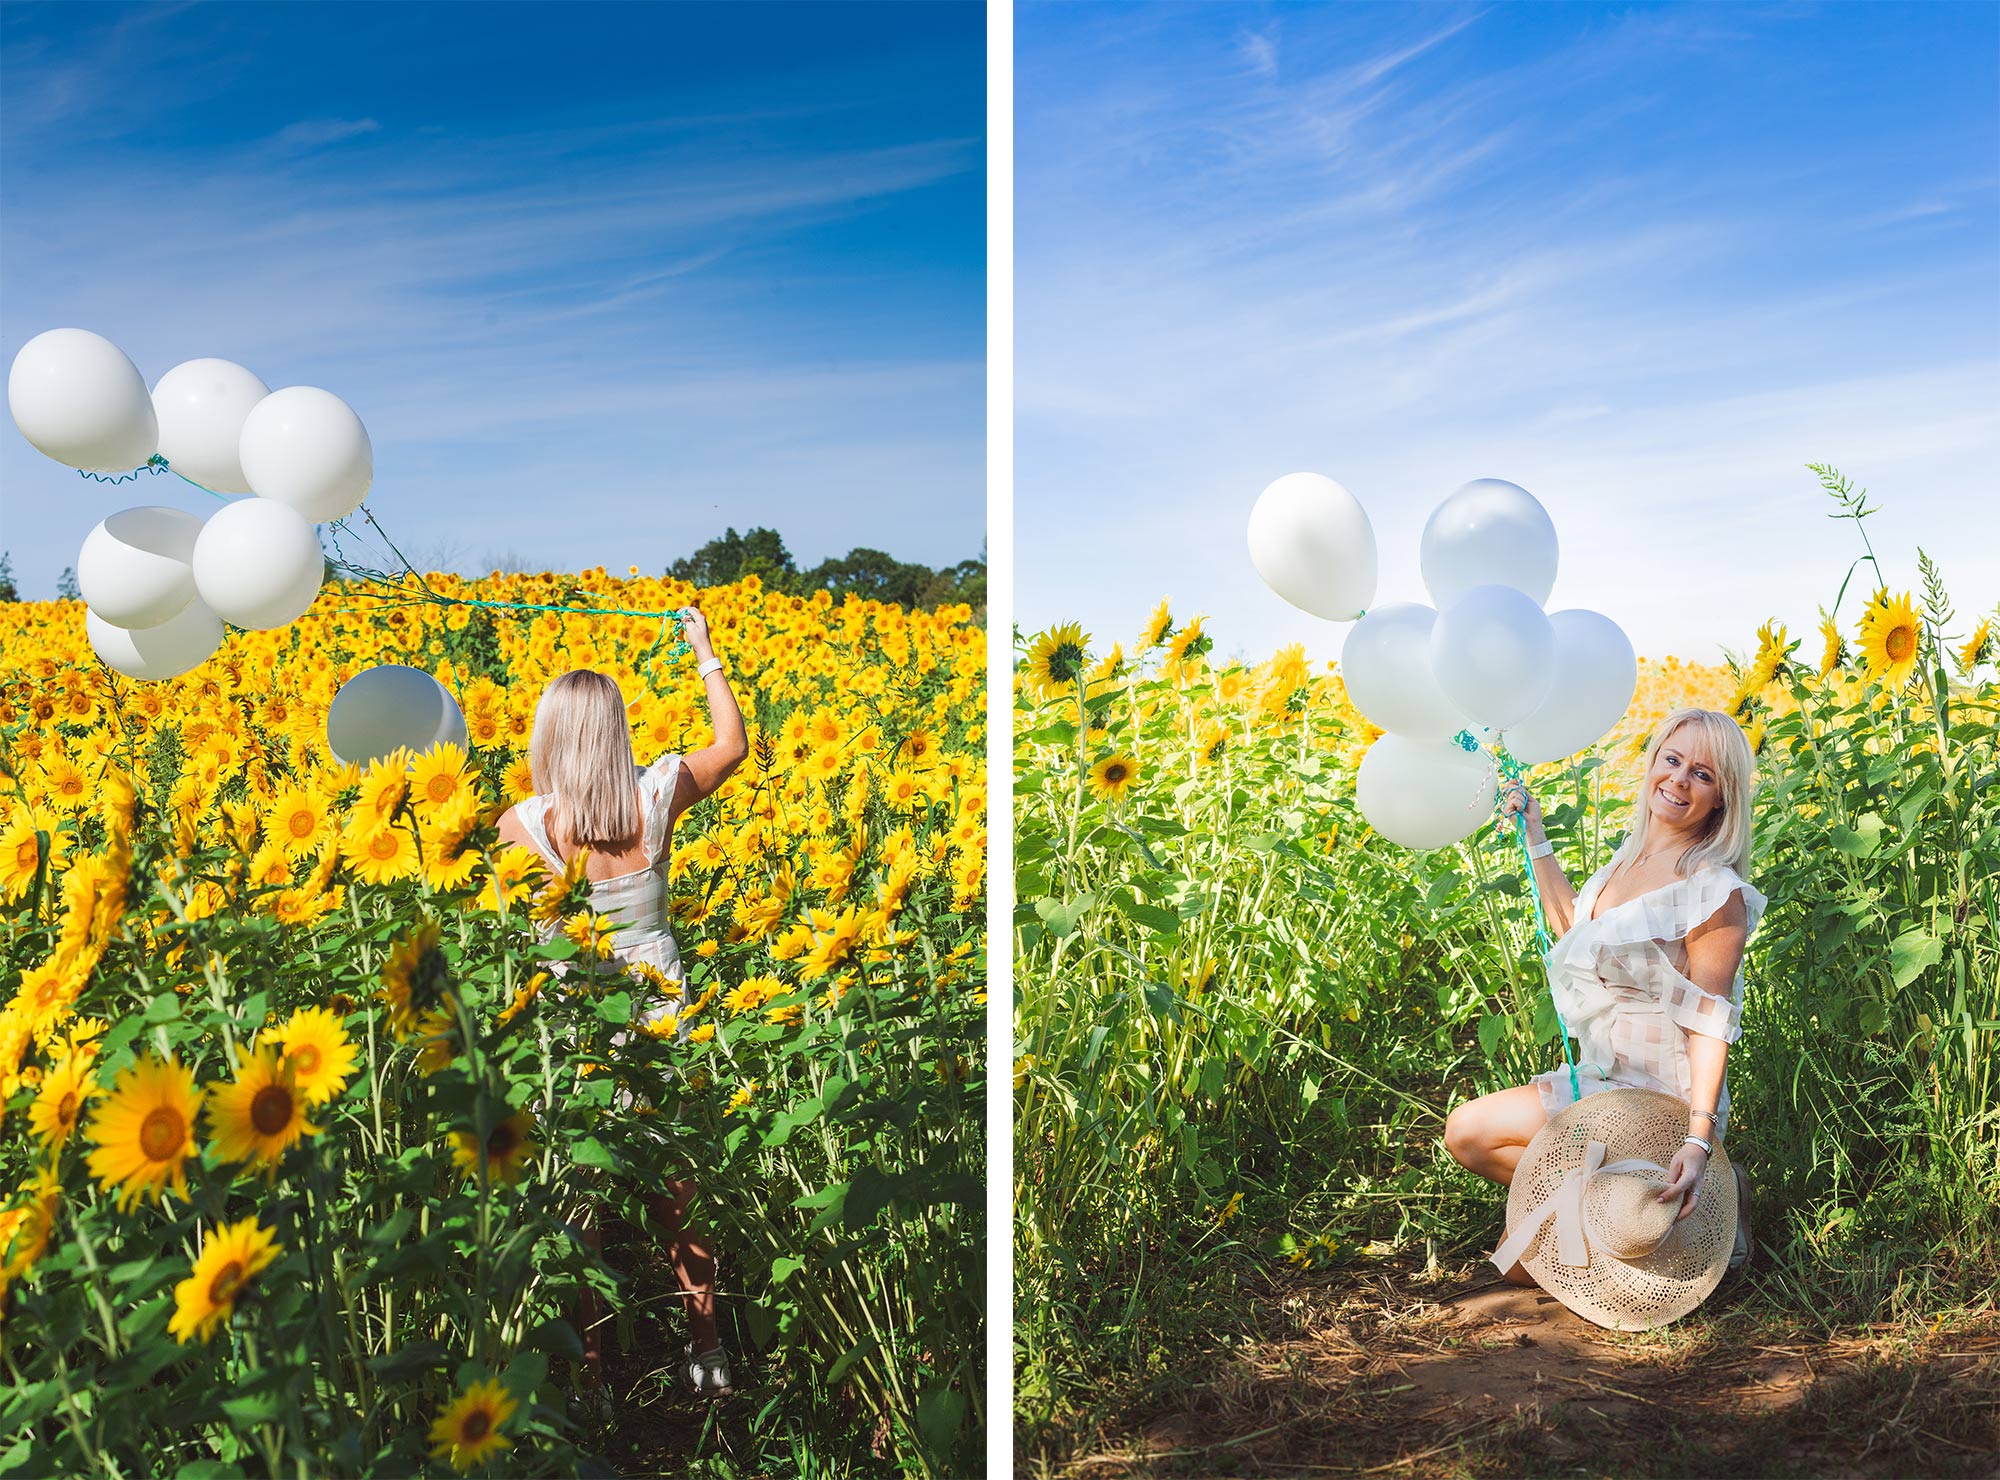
(1694, 1140)
(1542, 849)
(712, 665)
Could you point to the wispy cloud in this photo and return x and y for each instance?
(1555, 244)
(655, 315)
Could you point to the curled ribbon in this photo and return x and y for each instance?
(1565, 1205)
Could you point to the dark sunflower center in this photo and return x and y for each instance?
(1902, 642)
(478, 1424)
(162, 1133)
(501, 1142)
(228, 1280)
(271, 1110)
(66, 1108)
(1114, 774)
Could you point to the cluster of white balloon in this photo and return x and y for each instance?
(1481, 682)
(158, 582)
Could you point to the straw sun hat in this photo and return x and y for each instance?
(1584, 1216)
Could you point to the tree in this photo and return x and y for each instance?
(66, 585)
(733, 556)
(8, 592)
(870, 574)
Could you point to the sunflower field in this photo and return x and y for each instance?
(310, 1086)
(1242, 1017)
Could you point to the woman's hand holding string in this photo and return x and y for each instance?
(1558, 894)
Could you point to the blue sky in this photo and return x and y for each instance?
(599, 279)
(1645, 261)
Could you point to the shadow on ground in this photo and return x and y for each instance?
(1377, 1377)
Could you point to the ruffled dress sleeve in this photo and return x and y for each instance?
(1669, 917)
(657, 784)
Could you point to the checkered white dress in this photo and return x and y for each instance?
(636, 900)
(1620, 982)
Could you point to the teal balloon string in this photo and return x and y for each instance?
(153, 464)
(1512, 769)
(399, 593)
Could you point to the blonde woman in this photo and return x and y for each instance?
(1648, 969)
(590, 794)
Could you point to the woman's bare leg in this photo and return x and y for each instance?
(1489, 1135)
(693, 1258)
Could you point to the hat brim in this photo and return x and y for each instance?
(1627, 1295)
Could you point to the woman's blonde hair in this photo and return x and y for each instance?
(1728, 837)
(581, 758)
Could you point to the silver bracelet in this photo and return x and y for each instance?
(1542, 849)
(1693, 1140)
(712, 665)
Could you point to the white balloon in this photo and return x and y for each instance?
(258, 564)
(390, 706)
(1312, 543)
(185, 640)
(1596, 675)
(79, 400)
(135, 568)
(1494, 655)
(1424, 793)
(1386, 665)
(305, 447)
(1490, 533)
(202, 406)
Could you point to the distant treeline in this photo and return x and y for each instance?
(866, 573)
(870, 574)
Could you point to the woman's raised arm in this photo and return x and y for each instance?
(702, 771)
(1558, 894)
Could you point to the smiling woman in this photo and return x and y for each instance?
(1648, 969)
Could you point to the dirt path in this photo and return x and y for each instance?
(1381, 1378)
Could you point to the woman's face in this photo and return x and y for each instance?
(1683, 791)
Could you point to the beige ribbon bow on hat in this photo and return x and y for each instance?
(1566, 1207)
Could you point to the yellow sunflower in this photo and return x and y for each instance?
(316, 1047)
(1113, 776)
(439, 778)
(1056, 659)
(1833, 649)
(469, 1430)
(1158, 629)
(1976, 647)
(384, 786)
(378, 853)
(20, 856)
(1772, 650)
(1891, 639)
(25, 1231)
(229, 1260)
(257, 1117)
(511, 870)
(508, 1147)
(1188, 644)
(66, 1088)
(296, 820)
(144, 1132)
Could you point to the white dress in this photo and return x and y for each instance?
(637, 901)
(1620, 982)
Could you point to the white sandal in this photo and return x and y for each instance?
(709, 1371)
